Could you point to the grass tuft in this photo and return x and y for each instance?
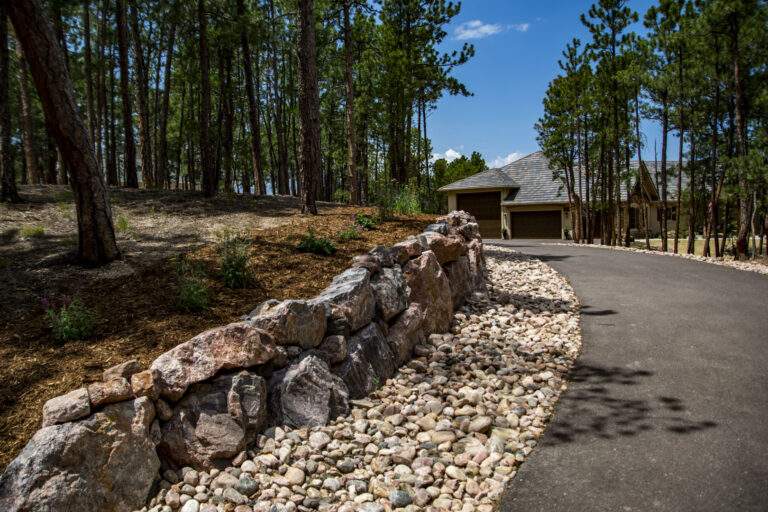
(71, 320)
(316, 244)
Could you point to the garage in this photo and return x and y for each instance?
(544, 224)
(486, 208)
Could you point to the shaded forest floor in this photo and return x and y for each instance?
(134, 300)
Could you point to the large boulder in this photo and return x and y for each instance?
(446, 248)
(429, 287)
(291, 322)
(406, 332)
(349, 300)
(391, 292)
(232, 347)
(105, 462)
(369, 363)
(460, 279)
(215, 421)
(307, 394)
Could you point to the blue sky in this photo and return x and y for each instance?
(518, 44)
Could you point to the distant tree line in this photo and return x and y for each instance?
(321, 99)
(701, 71)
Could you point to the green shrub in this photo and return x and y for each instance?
(194, 294)
(341, 196)
(407, 200)
(234, 262)
(365, 221)
(316, 244)
(32, 232)
(348, 234)
(71, 320)
(122, 225)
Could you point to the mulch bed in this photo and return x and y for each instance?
(137, 316)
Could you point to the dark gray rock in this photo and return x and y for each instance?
(307, 394)
(332, 350)
(370, 362)
(215, 420)
(105, 462)
(438, 227)
(391, 292)
(349, 300)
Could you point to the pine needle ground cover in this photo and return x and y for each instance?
(136, 302)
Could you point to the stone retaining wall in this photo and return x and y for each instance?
(295, 362)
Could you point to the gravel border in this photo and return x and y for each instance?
(723, 262)
(446, 433)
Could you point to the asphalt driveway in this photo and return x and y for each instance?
(668, 404)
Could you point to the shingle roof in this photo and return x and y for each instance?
(530, 179)
(492, 178)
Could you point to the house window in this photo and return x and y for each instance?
(633, 218)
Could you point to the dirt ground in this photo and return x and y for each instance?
(134, 300)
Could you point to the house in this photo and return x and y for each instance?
(522, 200)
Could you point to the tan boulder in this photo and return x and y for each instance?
(234, 346)
(429, 287)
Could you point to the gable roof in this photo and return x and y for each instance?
(530, 181)
(492, 178)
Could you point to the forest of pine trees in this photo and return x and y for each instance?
(320, 99)
(700, 71)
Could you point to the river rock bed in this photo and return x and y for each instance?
(447, 432)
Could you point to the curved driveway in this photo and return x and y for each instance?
(667, 409)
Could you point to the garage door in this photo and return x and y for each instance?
(536, 224)
(486, 208)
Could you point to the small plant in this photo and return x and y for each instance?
(348, 234)
(70, 320)
(32, 232)
(122, 225)
(194, 294)
(316, 244)
(365, 221)
(234, 262)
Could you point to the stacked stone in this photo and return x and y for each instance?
(296, 363)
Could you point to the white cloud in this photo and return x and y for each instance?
(521, 27)
(501, 161)
(450, 155)
(476, 29)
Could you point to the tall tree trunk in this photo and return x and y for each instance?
(97, 243)
(129, 160)
(309, 107)
(142, 81)
(162, 153)
(27, 126)
(8, 190)
(210, 174)
(745, 198)
(101, 92)
(91, 114)
(113, 178)
(354, 189)
(692, 197)
(664, 135)
(228, 121)
(253, 104)
(280, 124)
(717, 184)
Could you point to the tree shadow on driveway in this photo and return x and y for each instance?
(592, 408)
